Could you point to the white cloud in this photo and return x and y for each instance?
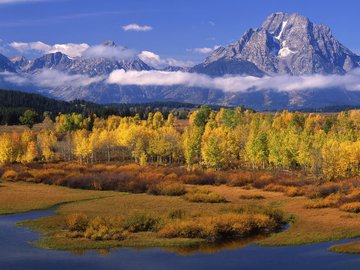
(110, 52)
(31, 46)
(156, 61)
(137, 28)
(70, 49)
(206, 50)
(51, 78)
(54, 78)
(350, 81)
(285, 83)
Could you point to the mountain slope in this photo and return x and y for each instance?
(289, 44)
(6, 64)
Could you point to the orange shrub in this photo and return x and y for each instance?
(323, 190)
(294, 191)
(239, 179)
(332, 200)
(204, 196)
(263, 180)
(47, 176)
(220, 227)
(76, 222)
(353, 207)
(275, 188)
(9, 175)
(168, 188)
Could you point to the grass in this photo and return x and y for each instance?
(16, 197)
(310, 225)
(349, 248)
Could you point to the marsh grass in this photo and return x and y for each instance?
(204, 196)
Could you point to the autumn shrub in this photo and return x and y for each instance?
(204, 196)
(212, 177)
(47, 176)
(353, 196)
(9, 175)
(183, 229)
(263, 180)
(141, 223)
(251, 197)
(231, 225)
(129, 167)
(239, 179)
(76, 222)
(168, 188)
(105, 228)
(353, 207)
(198, 179)
(294, 191)
(274, 213)
(218, 228)
(332, 200)
(275, 188)
(323, 190)
(171, 177)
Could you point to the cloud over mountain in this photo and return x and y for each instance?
(156, 61)
(70, 49)
(287, 83)
(50, 78)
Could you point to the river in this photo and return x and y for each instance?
(16, 253)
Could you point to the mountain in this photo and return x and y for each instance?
(20, 62)
(92, 66)
(285, 44)
(6, 64)
(56, 60)
(227, 66)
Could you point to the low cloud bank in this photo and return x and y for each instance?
(53, 79)
(349, 81)
(70, 49)
(50, 79)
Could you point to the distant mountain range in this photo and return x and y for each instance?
(286, 44)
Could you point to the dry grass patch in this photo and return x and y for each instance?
(251, 197)
(22, 197)
(350, 248)
(204, 196)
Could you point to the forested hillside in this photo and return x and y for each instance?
(14, 103)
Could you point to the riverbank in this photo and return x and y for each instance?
(347, 248)
(17, 254)
(309, 225)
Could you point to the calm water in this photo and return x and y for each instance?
(16, 253)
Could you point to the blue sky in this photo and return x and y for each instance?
(175, 28)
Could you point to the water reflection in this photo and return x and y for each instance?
(17, 254)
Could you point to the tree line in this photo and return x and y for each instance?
(324, 145)
(14, 104)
